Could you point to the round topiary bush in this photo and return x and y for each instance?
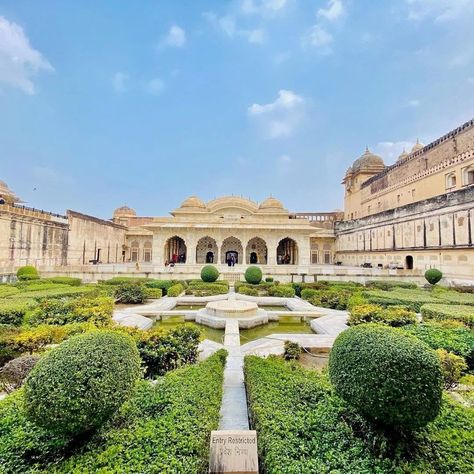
(209, 273)
(253, 275)
(387, 375)
(433, 276)
(81, 383)
(27, 272)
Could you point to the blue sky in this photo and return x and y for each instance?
(145, 103)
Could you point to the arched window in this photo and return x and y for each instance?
(206, 250)
(287, 252)
(231, 251)
(256, 251)
(468, 175)
(147, 251)
(134, 251)
(175, 250)
(451, 180)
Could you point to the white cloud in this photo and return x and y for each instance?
(281, 118)
(228, 26)
(439, 10)
(334, 10)
(175, 38)
(262, 7)
(390, 151)
(120, 81)
(319, 38)
(19, 62)
(155, 86)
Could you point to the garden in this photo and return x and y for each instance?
(397, 395)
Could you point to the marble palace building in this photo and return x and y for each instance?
(398, 219)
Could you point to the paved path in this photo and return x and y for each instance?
(233, 415)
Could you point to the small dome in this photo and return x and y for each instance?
(124, 211)
(403, 155)
(367, 160)
(6, 194)
(271, 203)
(193, 202)
(417, 146)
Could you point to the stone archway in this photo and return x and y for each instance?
(232, 247)
(256, 251)
(206, 250)
(175, 250)
(287, 252)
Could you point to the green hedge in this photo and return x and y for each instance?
(175, 290)
(153, 293)
(388, 375)
(200, 288)
(456, 339)
(248, 290)
(78, 385)
(331, 298)
(64, 280)
(462, 313)
(414, 299)
(13, 312)
(55, 291)
(253, 275)
(284, 291)
(389, 284)
(97, 311)
(209, 273)
(304, 428)
(27, 272)
(164, 428)
(372, 313)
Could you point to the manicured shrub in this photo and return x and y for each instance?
(130, 293)
(27, 272)
(449, 335)
(209, 273)
(52, 290)
(248, 290)
(452, 366)
(253, 275)
(163, 285)
(356, 299)
(14, 372)
(163, 351)
(370, 313)
(13, 312)
(64, 280)
(413, 299)
(283, 291)
(308, 293)
(200, 288)
(387, 375)
(269, 279)
(153, 293)
(440, 312)
(8, 290)
(389, 284)
(175, 290)
(433, 276)
(81, 383)
(331, 298)
(292, 350)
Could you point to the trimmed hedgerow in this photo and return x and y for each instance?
(455, 338)
(13, 312)
(201, 288)
(413, 299)
(97, 311)
(284, 291)
(162, 351)
(153, 293)
(253, 275)
(389, 284)
(440, 312)
(55, 291)
(247, 290)
(372, 313)
(175, 290)
(65, 280)
(78, 385)
(209, 273)
(332, 298)
(304, 428)
(388, 375)
(130, 293)
(163, 428)
(27, 272)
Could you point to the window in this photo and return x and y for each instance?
(450, 180)
(134, 251)
(327, 257)
(468, 175)
(147, 252)
(314, 257)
